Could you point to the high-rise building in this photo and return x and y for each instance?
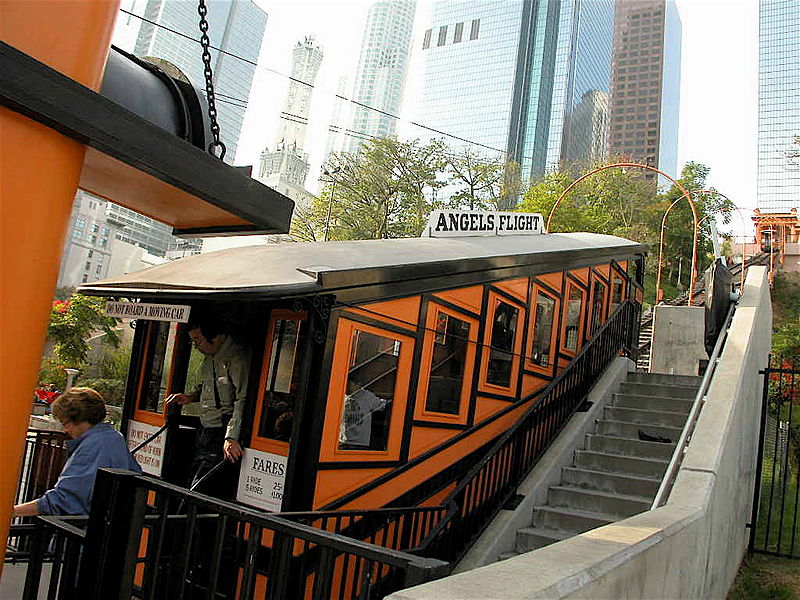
(87, 248)
(288, 159)
(778, 105)
(523, 79)
(382, 66)
(645, 83)
(236, 27)
(563, 78)
(338, 128)
(469, 55)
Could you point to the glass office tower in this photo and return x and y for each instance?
(382, 65)
(470, 63)
(528, 79)
(778, 105)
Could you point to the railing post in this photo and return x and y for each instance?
(34, 573)
(113, 536)
(759, 458)
(424, 570)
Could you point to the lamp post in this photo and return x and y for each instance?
(332, 181)
(71, 373)
(684, 194)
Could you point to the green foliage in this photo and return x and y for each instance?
(389, 188)
(386, 190)
(111, 375)
(622, 202)
(72, 322)
(786, 314)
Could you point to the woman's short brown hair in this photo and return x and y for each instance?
(79, 405)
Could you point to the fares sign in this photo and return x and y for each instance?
(261, 480)
(153, 312)
(151, 456)
(453, 223)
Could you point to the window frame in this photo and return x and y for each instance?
(421, 411)
(562, 341)
(333, 407)
(593, 280)
(144, 415)
(483, 384)
(529, 364)
(258, 442)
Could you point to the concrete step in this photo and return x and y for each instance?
(531, 538)
(569, 520)
(626, 465)
(664, 379)
(659, 403)
(614, 483)
(658, 390)
(617, 505)
(629, 447)
(631, 430)
(645, 417)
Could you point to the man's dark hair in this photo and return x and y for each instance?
(209, 325)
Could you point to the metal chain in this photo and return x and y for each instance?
(202, 10)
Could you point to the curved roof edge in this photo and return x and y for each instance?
(311, 267)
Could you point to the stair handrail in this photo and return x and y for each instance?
(451, 502)
(694, 413)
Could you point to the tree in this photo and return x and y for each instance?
(479, 180)
(386, 190)
(622, 202)
(72, 322)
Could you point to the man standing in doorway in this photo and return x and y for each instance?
(221, 394)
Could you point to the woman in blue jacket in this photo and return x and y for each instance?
(94, 445)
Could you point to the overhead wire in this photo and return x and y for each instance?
(310, 85)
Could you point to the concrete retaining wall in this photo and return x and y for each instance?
(689, 548)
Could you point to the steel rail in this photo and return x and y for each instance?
(688, 428)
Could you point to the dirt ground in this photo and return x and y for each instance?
(763, 577)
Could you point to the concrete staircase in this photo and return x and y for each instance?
(616, 474)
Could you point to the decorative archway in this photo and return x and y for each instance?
(685, 194)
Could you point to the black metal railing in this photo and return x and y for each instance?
(147, 539)
(493, 481)
(775, 520)
(42, 460)
(396, 528)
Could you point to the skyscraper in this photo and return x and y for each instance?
(520, 78)
(382, 67)
(469, 66)
(236, 27)
(778, 105)
(289, 159)
(561, 85)
(645, 88)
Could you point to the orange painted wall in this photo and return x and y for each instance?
(333, 484)
(469, 298)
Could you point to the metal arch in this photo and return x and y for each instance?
(685, 194)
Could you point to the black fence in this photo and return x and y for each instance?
(492, 482)
(42, 460)
(774, 524)
(147, 539)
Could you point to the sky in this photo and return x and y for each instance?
(719, 70)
